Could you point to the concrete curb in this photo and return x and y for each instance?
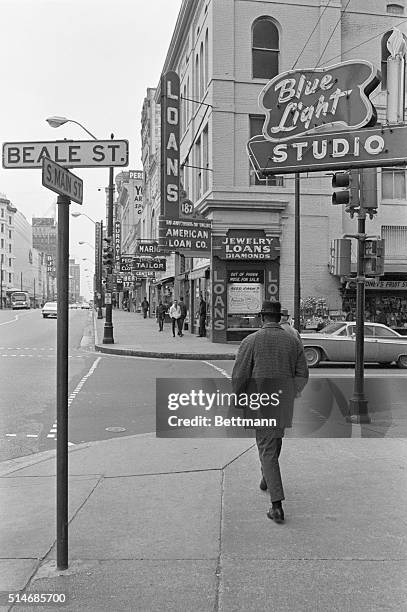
(160, 355)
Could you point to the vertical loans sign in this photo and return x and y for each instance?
(170, 116)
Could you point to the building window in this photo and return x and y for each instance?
(2, 244)
(196, 77)
(265, 49)
(395, 237)
(9, 220)
(10, 277)
(9, 248)
(2, 228)
(395, 9)
(206, 58)
(9, 234)
(2, 213)
(201, 72)
(198, 164)
(393, 184)
(205, 160)
(256, 125)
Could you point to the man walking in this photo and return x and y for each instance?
(182, 318)
(175, 314)
(202, 318)
(286, 324)
(144, 307)
(271, 353)
(161, 310)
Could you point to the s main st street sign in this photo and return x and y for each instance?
(67, 153)
(317, 119)
(61, 181)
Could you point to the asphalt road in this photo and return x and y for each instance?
(112, 396)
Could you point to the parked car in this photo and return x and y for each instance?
(85, 306)
(49, 310)
(336, 342)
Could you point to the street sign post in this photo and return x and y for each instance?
(67, 153)
(61, 181)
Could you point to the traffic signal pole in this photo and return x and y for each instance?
(358, 406)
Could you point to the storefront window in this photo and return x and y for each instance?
(245, 293)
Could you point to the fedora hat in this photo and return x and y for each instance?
(273, 308)
(284, 312)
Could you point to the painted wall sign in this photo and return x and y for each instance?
(368, 148)
(186, 236)
(300, 102)
(170, 144)
(245, 276)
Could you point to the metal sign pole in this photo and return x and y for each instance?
(62, 382)
(297, 254)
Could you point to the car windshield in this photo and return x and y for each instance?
(331, 328)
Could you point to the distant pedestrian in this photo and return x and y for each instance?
(144, 307)
(267, 354)
(161, 310)
(175, 314)
(285, 323)
(202, 318)
(184, 311)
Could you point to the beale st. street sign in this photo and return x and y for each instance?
(323, 119)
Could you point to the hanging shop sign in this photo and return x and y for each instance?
(190, 237)
(117, 240)
(377, 147)
(246, 245)
(149, 263)
(300, 102)
(170, 144)
(147, 248)
(386, 285)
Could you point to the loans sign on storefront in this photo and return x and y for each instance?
(317, 119)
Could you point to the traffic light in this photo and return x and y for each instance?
(368, 199)
(349, 196)
(339, 264)
(374, 257)
(108, 256)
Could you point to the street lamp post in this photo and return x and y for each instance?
(98, 259)
(55, 122)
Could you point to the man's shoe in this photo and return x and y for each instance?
(263, 484)
(276, 515)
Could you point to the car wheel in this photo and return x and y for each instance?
(312, 355)
(402, 362)
(45, 316)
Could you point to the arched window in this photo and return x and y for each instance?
(384, 56)
(201, 72)
(395, 9)
(265, 49)
(206, 58)
(197, 77)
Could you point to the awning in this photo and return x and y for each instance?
(163, 281)
(198, 272)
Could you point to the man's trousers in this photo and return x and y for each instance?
(269, 447)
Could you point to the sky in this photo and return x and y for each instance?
(91, 61)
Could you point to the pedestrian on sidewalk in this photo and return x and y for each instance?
(175, 314)
(183, 316)
(144, 307)
(266, 355)
(286, 323)
(202, 318)
(161, 310)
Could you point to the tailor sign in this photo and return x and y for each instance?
(61, 181)
(368, 148)
(68, 153)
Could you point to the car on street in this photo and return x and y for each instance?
(336, 342)
(49, 309)
(85, 306)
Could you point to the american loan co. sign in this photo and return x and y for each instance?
(304, 108)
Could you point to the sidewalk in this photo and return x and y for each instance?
(180, 525)
(134, 335)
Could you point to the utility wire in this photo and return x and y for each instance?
(310, 36)
(332, 33)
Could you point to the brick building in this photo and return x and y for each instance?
(225, 51)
